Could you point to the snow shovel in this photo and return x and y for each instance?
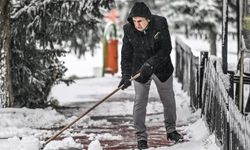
(89, 110)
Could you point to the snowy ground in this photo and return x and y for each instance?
(26, 129)
(195, 129)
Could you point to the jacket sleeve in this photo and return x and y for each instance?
(163, 53)
(126, 55)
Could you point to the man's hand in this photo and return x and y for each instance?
(125, 82)
(146, 71)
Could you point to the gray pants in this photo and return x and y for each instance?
(166, 93)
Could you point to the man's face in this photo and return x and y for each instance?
(140, 23)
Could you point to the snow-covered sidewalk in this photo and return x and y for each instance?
(26, 129)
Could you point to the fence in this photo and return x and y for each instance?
(187, 66)
(209, 90)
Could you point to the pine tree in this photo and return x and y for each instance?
(181, 13)
(39, 28)
(201, 15)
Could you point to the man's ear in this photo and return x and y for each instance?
(148, 20)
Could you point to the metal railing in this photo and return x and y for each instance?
(186, 70)
(213, 95)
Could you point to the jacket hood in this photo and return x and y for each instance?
(139, 9)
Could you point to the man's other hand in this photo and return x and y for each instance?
(125, 82)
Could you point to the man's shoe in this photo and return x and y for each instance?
(174, 136)
(142, 144)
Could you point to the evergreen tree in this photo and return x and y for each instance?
(181, 13)
(208, 17)
(38, 30)
(200, 15)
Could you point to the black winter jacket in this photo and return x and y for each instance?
(152, 46)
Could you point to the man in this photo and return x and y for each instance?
(146, 49)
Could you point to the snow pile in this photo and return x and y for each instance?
(209, 143)
(30, 118)
(193, 131)
(15, 143)
(199, 138)
(65, 144)
(26, 122)
(105, 136)
(95, 145)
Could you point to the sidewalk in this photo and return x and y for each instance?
(111, 122)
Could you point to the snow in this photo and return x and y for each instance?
(25, 129)
(84, 66)
(199, 45)
(95, 145)
(27, 143)
(26, 122)
(109, 136)
(66, 143)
